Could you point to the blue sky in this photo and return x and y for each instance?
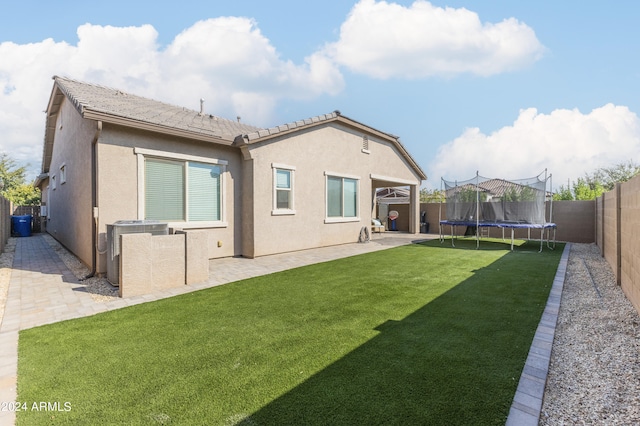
(506, 88)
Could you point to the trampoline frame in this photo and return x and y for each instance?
(549, 226)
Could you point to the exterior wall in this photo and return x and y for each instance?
(118, 197)
(44, 203)
(611, 235)
(5, 222)
(330, 149)
(599, 223)
(69, 217)
(402, 222)
(630, 240)
(575, 220)
(618, 223)
(150, 263)
(433, 215)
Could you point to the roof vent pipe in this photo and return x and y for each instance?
(238, 118)
(201, 106)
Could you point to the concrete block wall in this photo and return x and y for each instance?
(618, 218)
(599, 221)
(402, 222)
(575, 221)
(5, 222)
(630, 241)
(610, 248)
(150, 263)
(196, 259)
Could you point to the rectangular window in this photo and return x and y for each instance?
(283, 184)
(178, 191)
(204, 192)
(342, 197)
(164, 192)
(283, 189)
(63, 174)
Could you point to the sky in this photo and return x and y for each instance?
(501, 88)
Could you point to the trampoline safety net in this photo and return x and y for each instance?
(481, 199)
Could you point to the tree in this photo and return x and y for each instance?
(609, 176)
(564, 193)
(469, 194)
(23, 195)
(14, 185)
(585, 190)
(593, 185)
(10, 174)
(431, 196)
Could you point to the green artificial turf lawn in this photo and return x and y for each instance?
(420, 334)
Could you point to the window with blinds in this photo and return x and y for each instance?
(178, 191)
(342, 197)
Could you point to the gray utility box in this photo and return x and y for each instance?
(120, 227)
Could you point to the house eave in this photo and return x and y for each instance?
(166, 130)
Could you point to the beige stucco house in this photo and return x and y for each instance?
(110, 156)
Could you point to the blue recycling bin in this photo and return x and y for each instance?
(21, 225)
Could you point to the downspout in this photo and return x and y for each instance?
(94, 204)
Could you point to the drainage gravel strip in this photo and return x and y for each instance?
(594, 374)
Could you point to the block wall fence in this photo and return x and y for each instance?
(618, 235)
(5, 222)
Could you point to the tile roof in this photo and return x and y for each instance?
(496, 187)
(92, 98)
(98, 102)
(291, 126)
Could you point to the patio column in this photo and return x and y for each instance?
(414, 209)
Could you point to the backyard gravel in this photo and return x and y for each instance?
(594, 374)
(99, 288)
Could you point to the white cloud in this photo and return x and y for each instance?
(385, 40)
(566, 142)
(227, 61)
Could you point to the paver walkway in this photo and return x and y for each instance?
(43, 290)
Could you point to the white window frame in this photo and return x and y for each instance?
(340, 219)
(141, 153)
(53, 182)
(275, 211)
(63, 173)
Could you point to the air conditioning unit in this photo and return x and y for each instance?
(120, 227)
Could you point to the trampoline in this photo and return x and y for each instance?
(484, 203)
